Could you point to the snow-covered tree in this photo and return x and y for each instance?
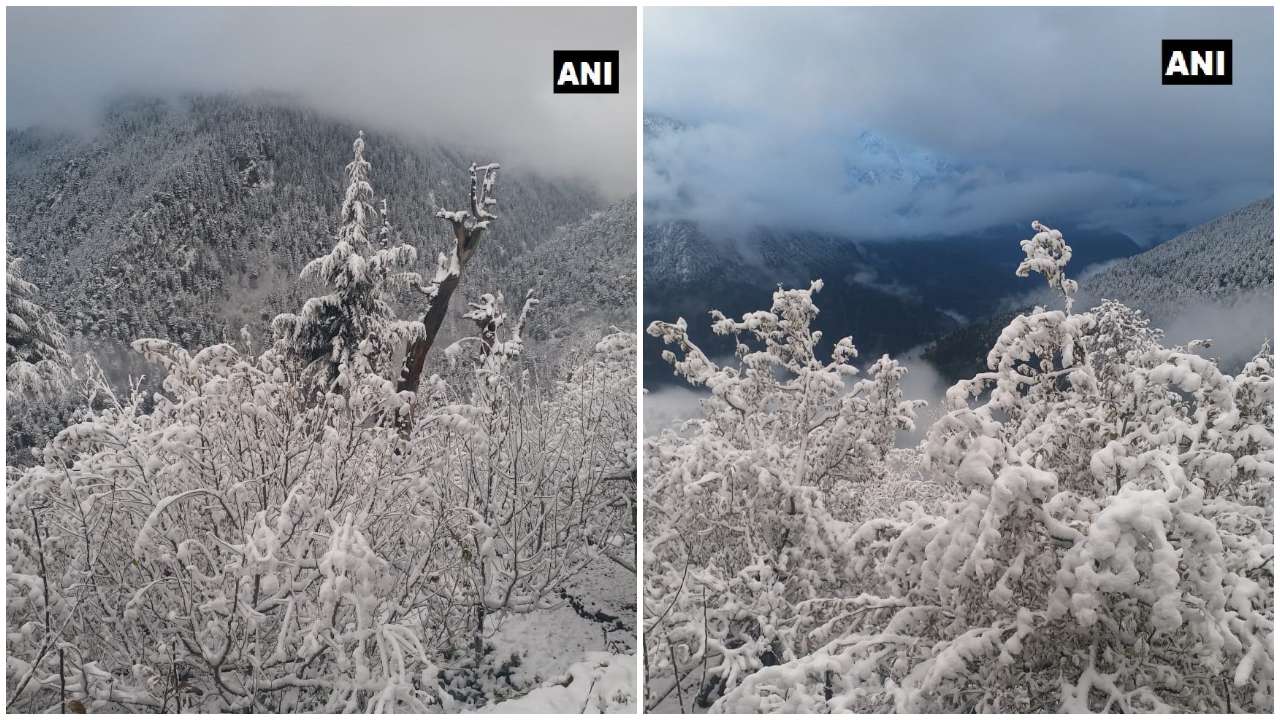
(490, 316)
(468, 227)
(1111, 554)
(742, 541)
(354, 322)
(535, 518)
(1110, 546)
(36, 361)
(232, 536)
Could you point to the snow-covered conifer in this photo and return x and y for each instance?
(354, 325)
(36, 359)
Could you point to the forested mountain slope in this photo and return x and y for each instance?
(186, 220)
(1216, 278)
(1218, 260)
(584, 276)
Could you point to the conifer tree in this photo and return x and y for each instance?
(354, 325)
(36, 359)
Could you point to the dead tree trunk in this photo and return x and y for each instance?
(468, 227)
(416, 358)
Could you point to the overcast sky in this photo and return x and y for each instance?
(892, 122)
(476, 76)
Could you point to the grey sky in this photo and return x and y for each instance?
(475, 76)
(978, 116)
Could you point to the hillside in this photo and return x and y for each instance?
(584, 276)
(687, 274)
(186, 220)
(1212, 281)
(1218, 260)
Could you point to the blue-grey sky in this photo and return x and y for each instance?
(899, 122)
(478, 76)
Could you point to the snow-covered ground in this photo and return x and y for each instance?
(584, 649)
(602, 683)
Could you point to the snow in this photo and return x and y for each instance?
(602, 683)
(282, 530)
(1086, 528)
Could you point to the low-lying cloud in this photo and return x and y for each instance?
(476, 77)
(902, 122)
(1237, 327)
(922, 382)
(669, 405)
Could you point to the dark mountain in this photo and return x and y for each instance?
(687, 274)
(962, 353)
(972, 274)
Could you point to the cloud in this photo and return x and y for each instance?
(893, 122)
(1237, 327)
(665, 407)
(922, 382)
(478, 77)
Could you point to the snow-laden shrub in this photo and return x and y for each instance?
(240, 548)
(1114, 551)
(742, 545)
(220, 551)
(253, 543)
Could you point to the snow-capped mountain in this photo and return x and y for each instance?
(188, 219)
(880, 160)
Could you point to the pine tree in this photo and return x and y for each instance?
(36, 359)
(354, 326)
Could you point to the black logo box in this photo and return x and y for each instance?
(592, 59)
(1200, 48)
